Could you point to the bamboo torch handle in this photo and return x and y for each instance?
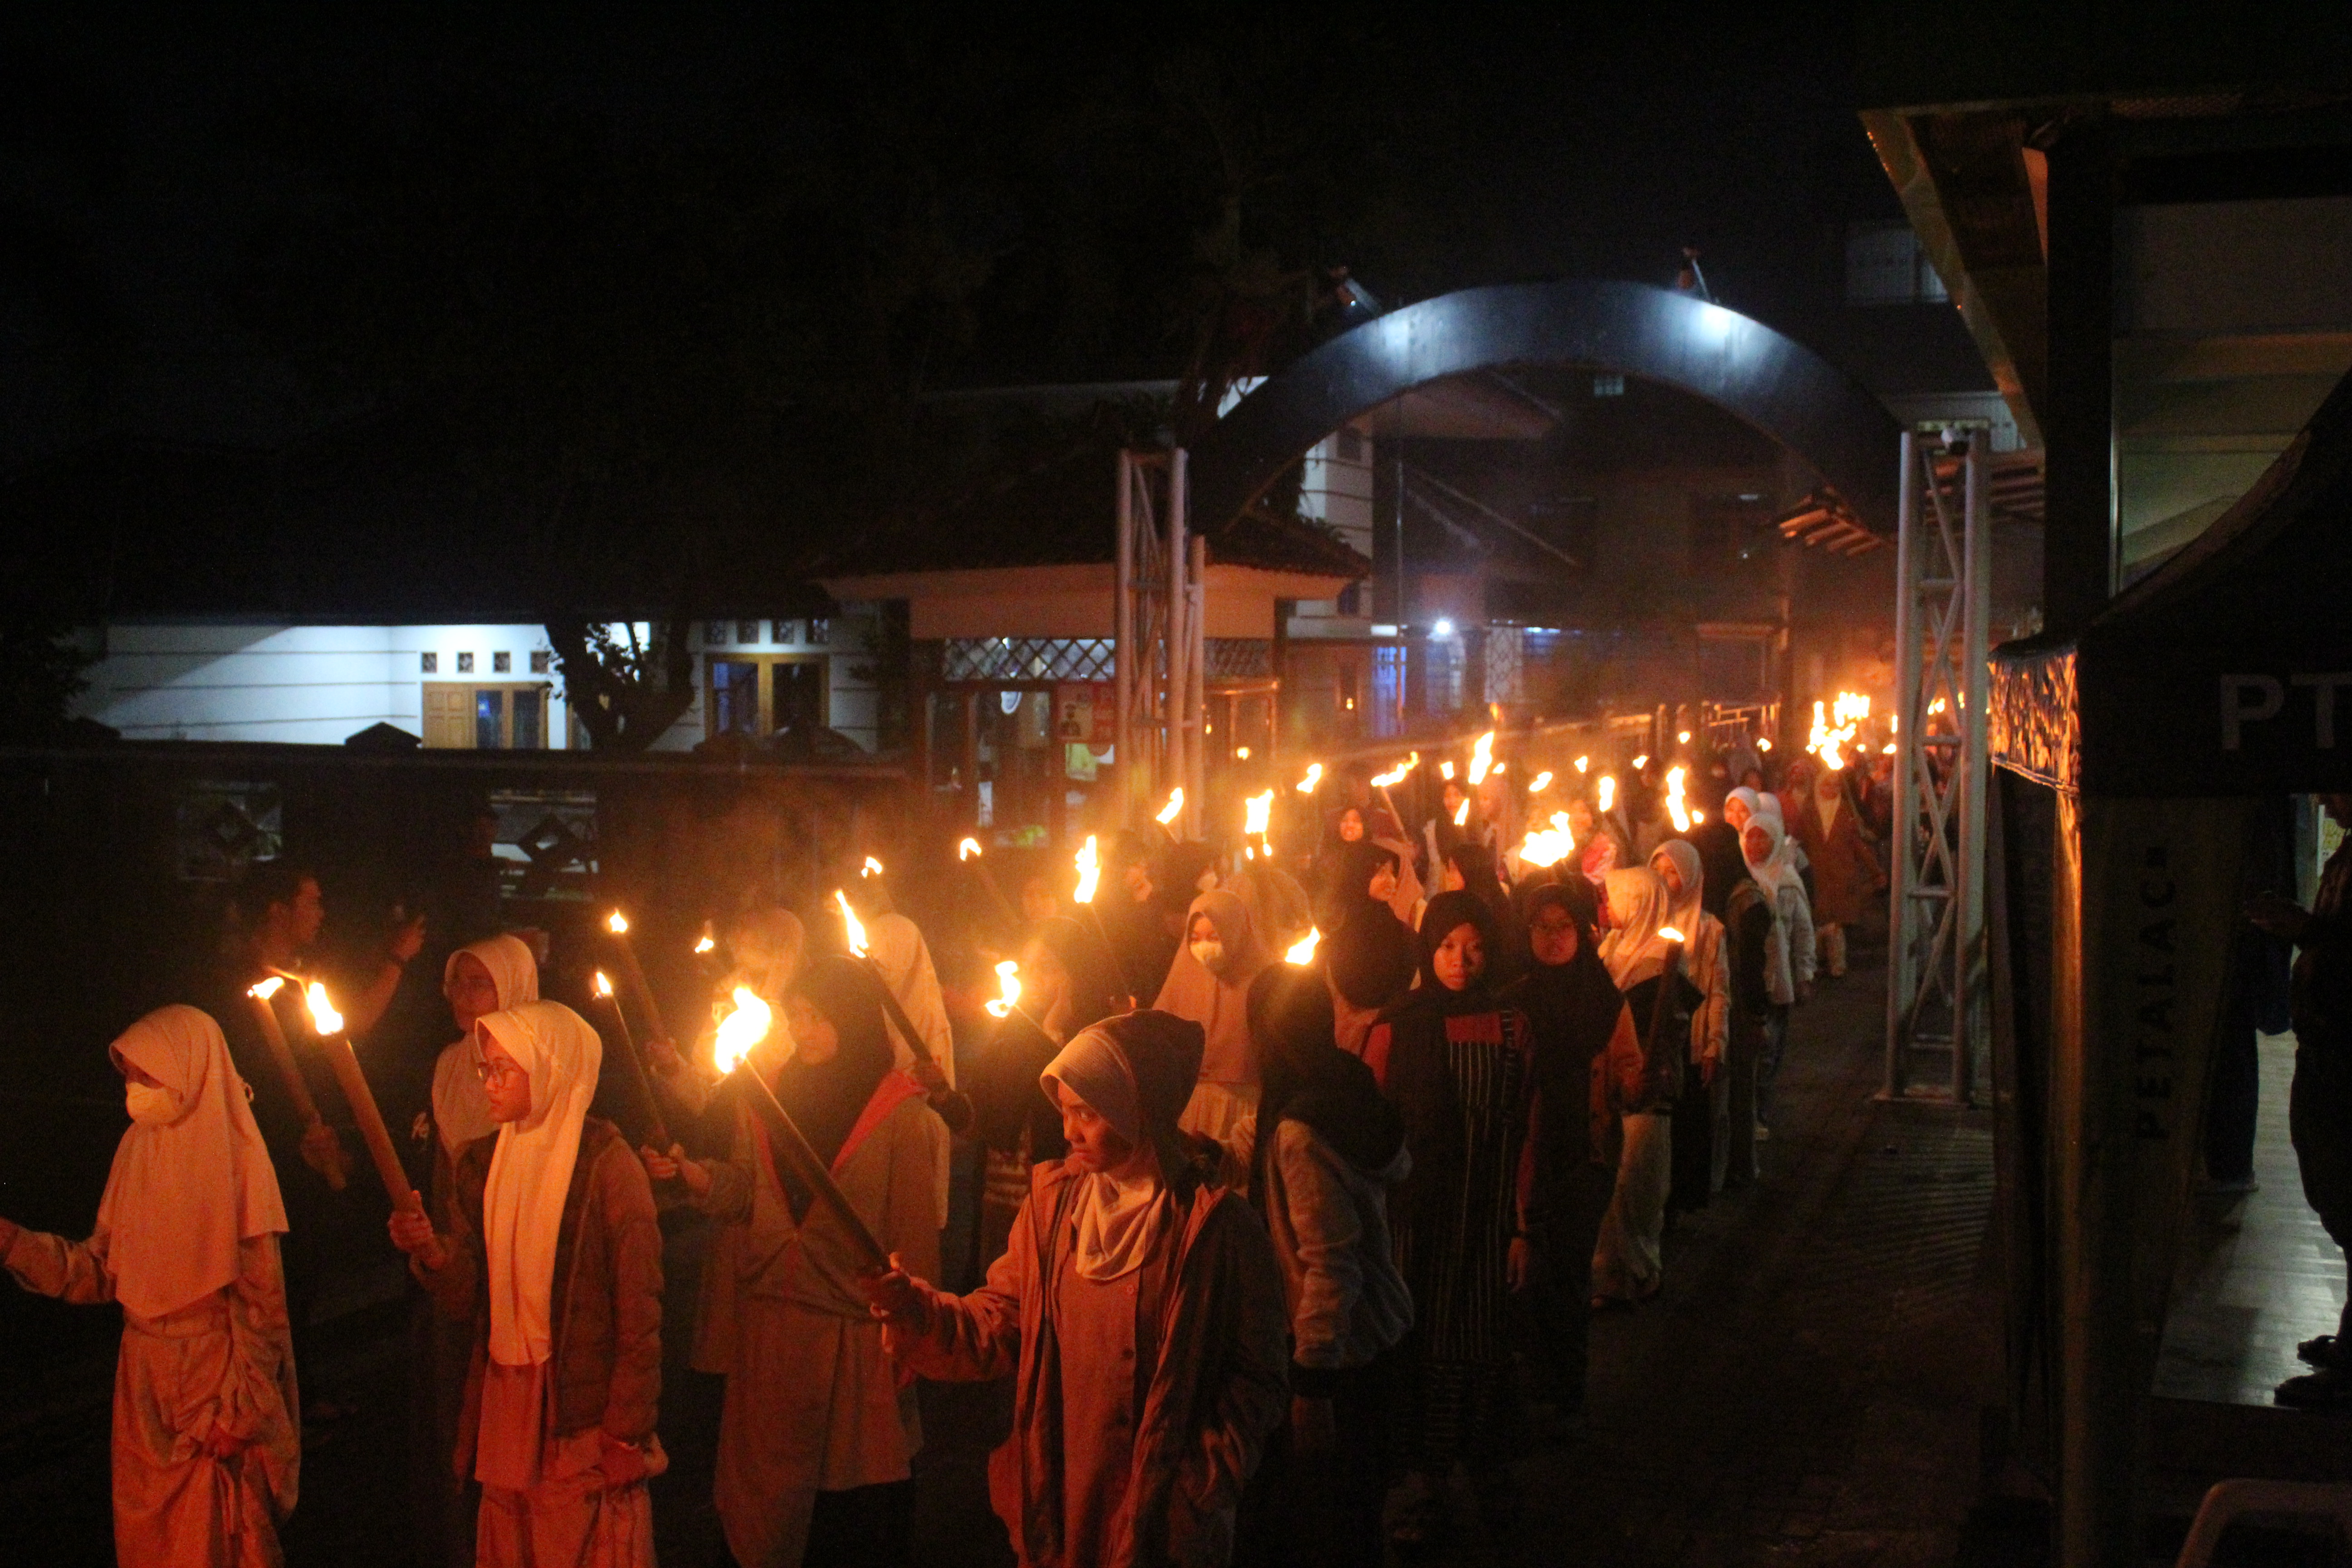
(820, 1180)
(273, 1035)
(346, 1064)
(660, 1133)
(633, 974)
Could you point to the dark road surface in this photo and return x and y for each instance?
(1804, 1391)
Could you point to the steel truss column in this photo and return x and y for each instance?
(1159, 624)
(1936, 984)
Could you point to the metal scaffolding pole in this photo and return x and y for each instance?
(1936, 996)
(1160, 665)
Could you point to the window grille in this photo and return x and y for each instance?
(1240, 659)
(1029, 658)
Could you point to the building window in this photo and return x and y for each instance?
(790, 632)
(465, 663)
(714, 634)
(501, 664)
(430, 663)
(747, 631)
(1351, 445)
(461, 716)
(1389, 661)
(1884, 265)
(489, 721)
(820, 632)
(542, 661)
(1609, 384)
(762, 694)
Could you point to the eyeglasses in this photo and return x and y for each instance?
(498, 1071)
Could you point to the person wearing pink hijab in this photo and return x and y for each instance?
(1209, 984)
(207, 1445)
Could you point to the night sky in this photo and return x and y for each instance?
(201, 211)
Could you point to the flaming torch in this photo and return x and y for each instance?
(954, 1109)
(1675, 808)
(970, 850)
(273, 1035)
(1169, 813)
(1481, 758)
(1302, 951)
(346, 1065)
(1606, 795)
(659, 1132)
(633, 976)
(1540, 782)
(741, 1029)
(1549, 845)
(1313, 778)
(1257, 816)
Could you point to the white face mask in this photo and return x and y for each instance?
(151, 1103)
(1210, 954)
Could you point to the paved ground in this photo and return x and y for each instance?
(1804, 1391)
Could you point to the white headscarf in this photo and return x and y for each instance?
(1683, 913)
(461, 1110)
(530, 1173)
(1773, 872)
(896, 945)
(182, 1196)
(1117, 1220)
(1634, 951)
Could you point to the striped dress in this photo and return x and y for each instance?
(1465, 1083)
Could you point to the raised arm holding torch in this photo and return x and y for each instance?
(346, 1065)
(322, 1149)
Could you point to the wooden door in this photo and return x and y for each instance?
(450, 714)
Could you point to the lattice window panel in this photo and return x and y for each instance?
(1029, 658)
(1239, 658)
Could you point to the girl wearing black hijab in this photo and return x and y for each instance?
(1584, 1035)
(816, 1436)
(1368, 953)
(1459, 1064)
(1731, 896)
(1328, 1147)
(1470, 866)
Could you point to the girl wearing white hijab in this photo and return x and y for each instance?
(1789, 958)
(1707, 1090)
(1627, 1261)
(479, 979)
(206, 1448)
(560, 1401)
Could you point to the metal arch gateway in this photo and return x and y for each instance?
(1775, 383)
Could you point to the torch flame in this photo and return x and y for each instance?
(1641, 761)
(873, 867)
(1462, 813)
(968, 848)
(603, 985)
(1542, 783)
(323, 1016)
(1583, 764)
(1257, 812)
(1303, 950)
(1675, 806)
(1836, 729)
(1670, 934)
(1549, 845)
(1008, 982)
(850, 925)
(1314, 776)
(1683, 737)
(1482, 757)
(741, 1029)
(1445, 769)
(1763, 745)
(266, 989)
(704, 942)
(1175, 803)
(1089, 871)
(1607, 794)
(618, 925)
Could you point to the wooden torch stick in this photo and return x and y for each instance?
(820, 1180)
(346, 1065)
(634, 974)
(273, 1035)
(644, 1079)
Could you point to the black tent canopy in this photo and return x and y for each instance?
(2228, 671)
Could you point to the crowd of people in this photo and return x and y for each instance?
(1285, 1185)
